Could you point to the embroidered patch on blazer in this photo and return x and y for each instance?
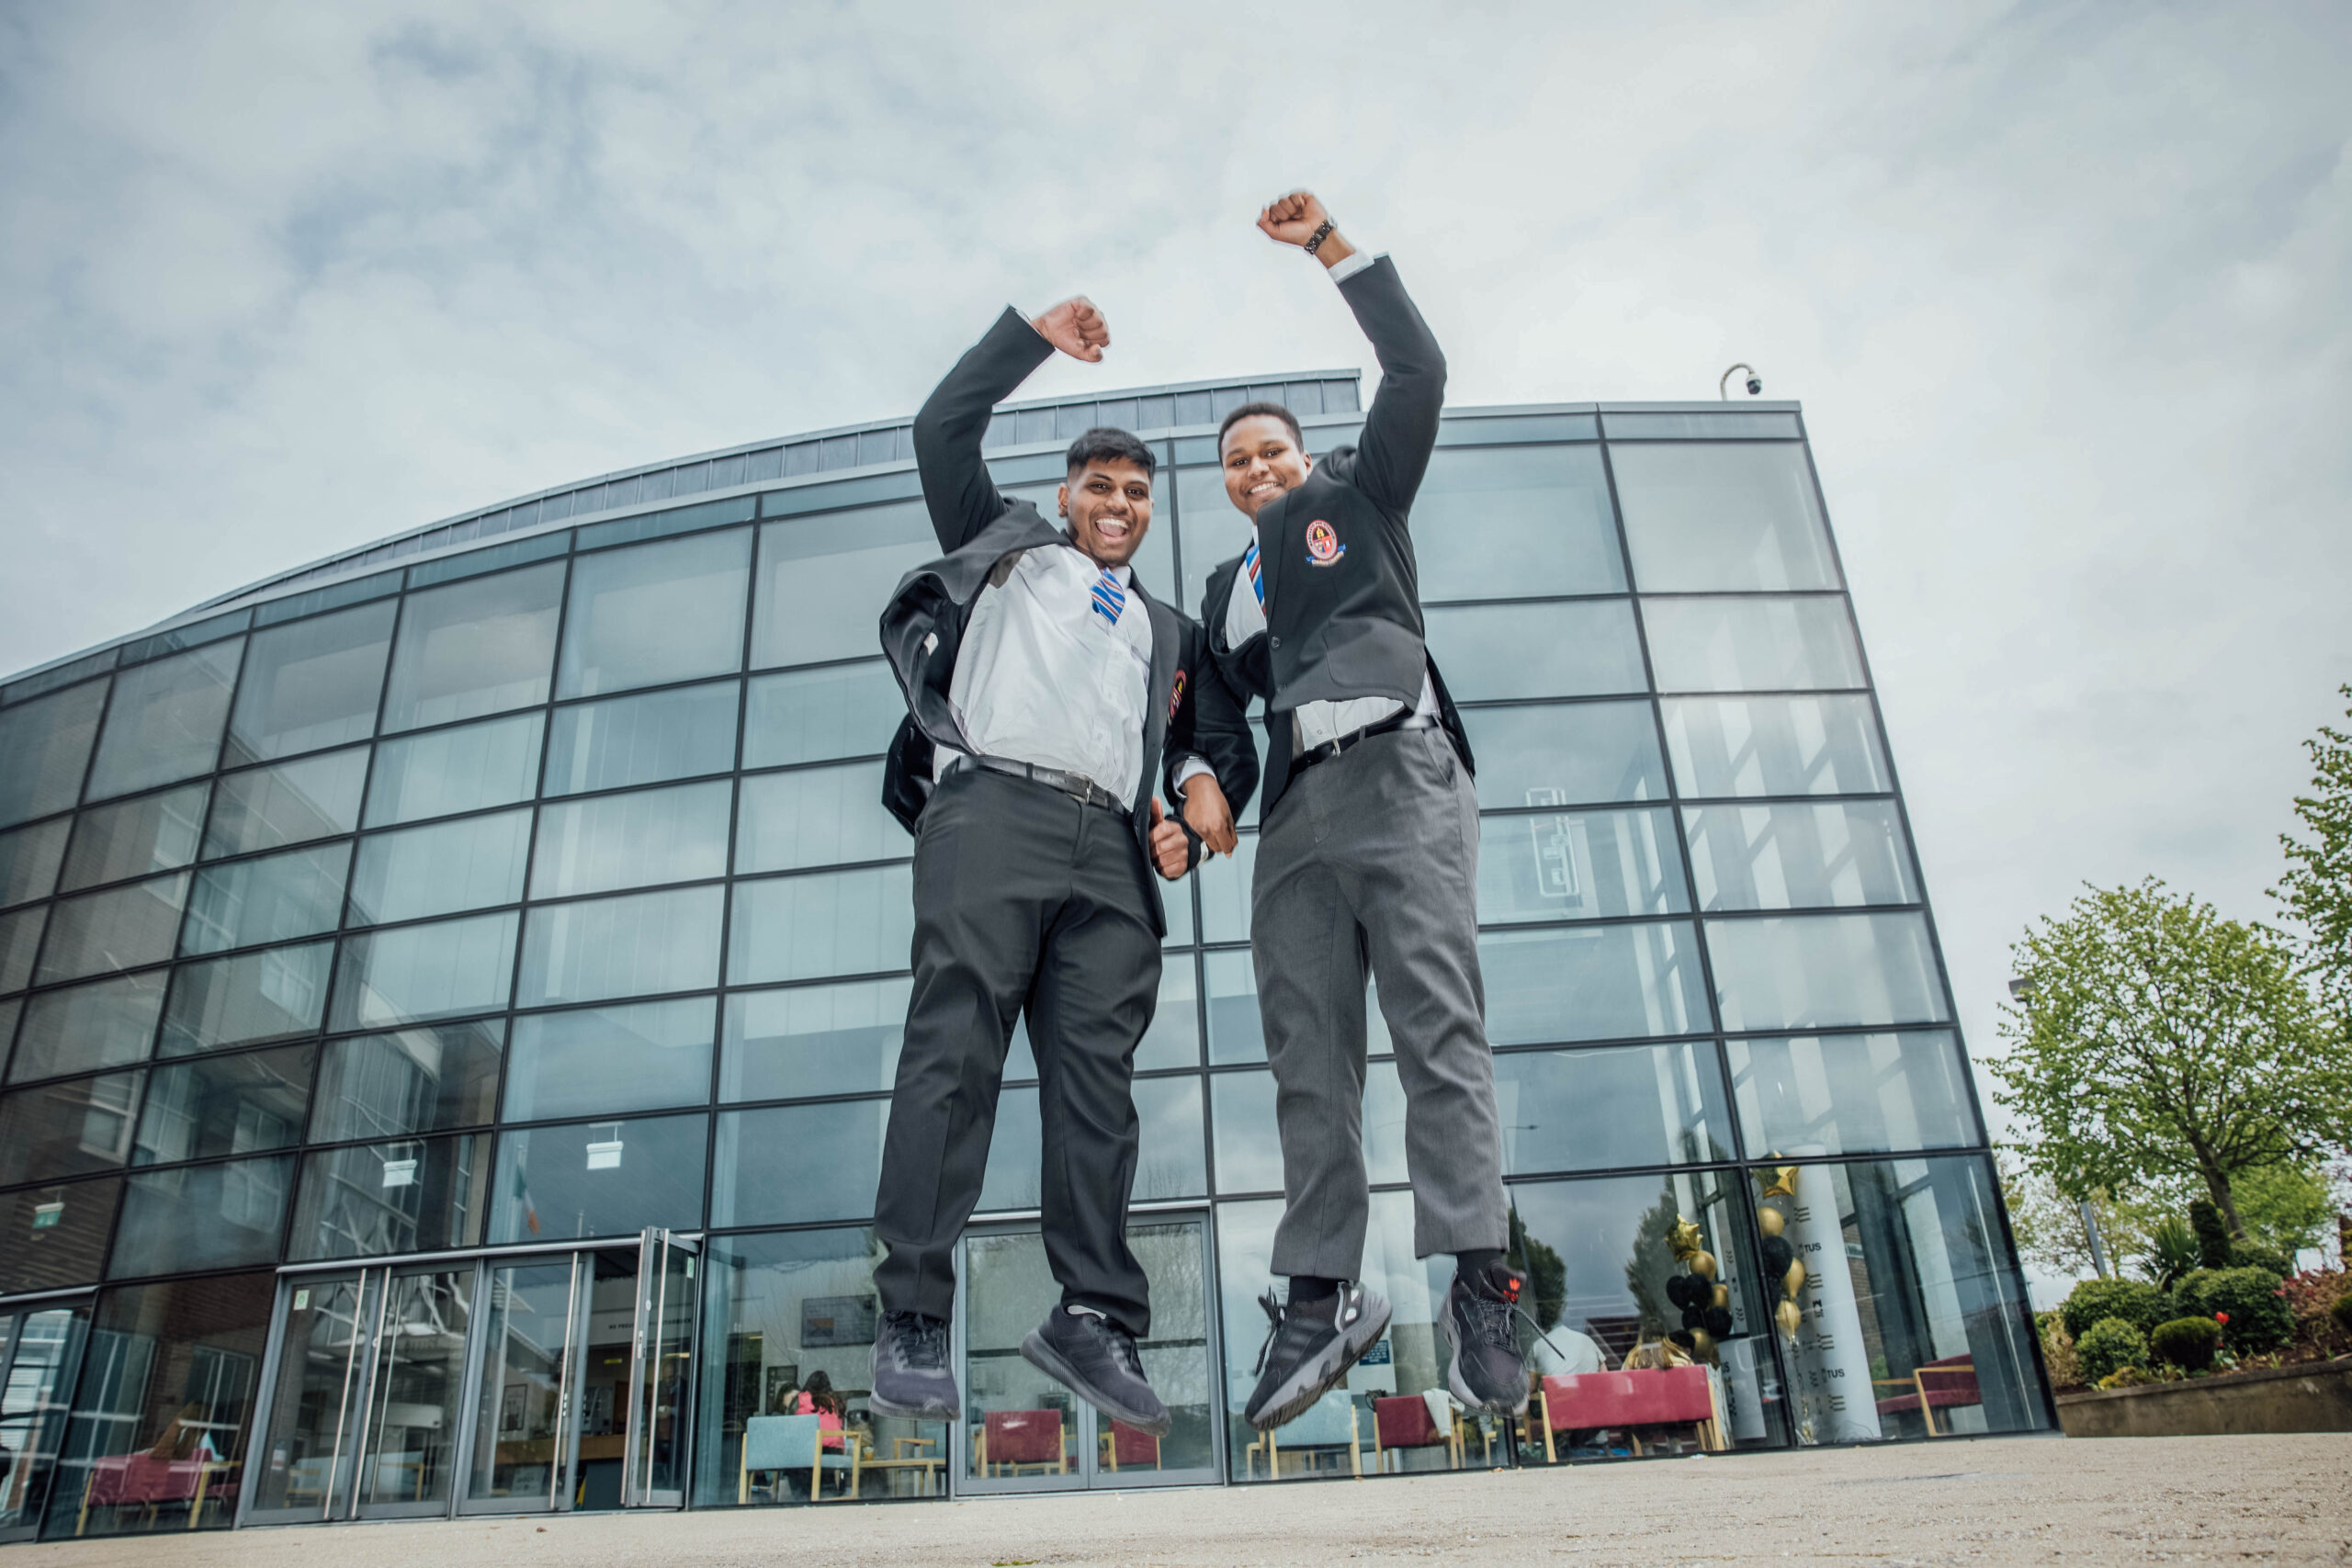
(1323, 546)
(1176, 695)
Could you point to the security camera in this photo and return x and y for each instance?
(1755, 382)
(1755, 385)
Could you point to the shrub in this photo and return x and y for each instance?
(2171, 1251)
(2250, 1305)
(2058, 1350)
(2136, 1301)
(2313, 1296)
(2212, 1232)
(2188, 1343)
(2108, 1347)
(2254, 1255)
(2342, 1313)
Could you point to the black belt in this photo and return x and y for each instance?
(1408, 719)
(1078, 786)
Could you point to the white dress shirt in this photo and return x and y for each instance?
(1042, 677)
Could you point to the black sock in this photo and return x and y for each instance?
(1476, 1262)
(1315, 1296)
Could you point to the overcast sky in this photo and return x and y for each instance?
(2063, 289)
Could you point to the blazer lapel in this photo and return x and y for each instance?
(1166, 645)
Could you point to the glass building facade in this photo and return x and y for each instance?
(448, 1008)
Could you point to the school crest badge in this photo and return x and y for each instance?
(1323, 546)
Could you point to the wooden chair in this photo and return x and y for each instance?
(1125, 1445)
(1328, 1424)
(142, 1481)
(1947, 1383)
(1012, 1441)
(1405, 1422)
(1659, 1396)
(781, 1444)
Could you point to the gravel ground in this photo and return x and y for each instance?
(2010, 1500)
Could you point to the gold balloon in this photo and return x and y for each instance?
(1789, 1316)
(1702, 1264)
(1771, 1221)
(1683, 1240)
(1794, 1280)
(1722, 1296)
(1785, 1182)
(1703, 1345)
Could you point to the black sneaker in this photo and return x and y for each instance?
(1097, 1361)
(1486, 1371)
(1306, 1354)
(910, 1375)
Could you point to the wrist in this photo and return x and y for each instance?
(1334, 249)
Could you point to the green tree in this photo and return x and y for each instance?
(2049, 1226)
(2154, 1043)
(2317, 888)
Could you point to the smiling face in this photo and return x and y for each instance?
(1108, 503)
(1263, 461)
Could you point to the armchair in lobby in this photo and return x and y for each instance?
(1946, 1384)
(1655, 1396)
(1124, 1445)
(1012, 1442)
(784, 1444)
(1405, 1421)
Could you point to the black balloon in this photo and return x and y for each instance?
(1718, 1321)
(1678, 1290)
(1778, 1255)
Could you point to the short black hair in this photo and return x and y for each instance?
(1105, 443)
(1251, 411)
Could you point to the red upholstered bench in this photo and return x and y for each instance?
(1404, 1421)
(1651, 1397)
(1011, 1441)
(141, 1480)
(1124, 1445)
(1933, 1385)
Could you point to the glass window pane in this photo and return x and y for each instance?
(1566, 756)
(1905, 1275)
(1215, 531)
(1751, 645)
(628, 840)
(1224, 883)
(657, 612)
(413, 1080)
(642, 1057)
(441, 868)
(246, 1103)
(203, 1216)
(74, 1128)
(808, 928)
(415, 974)
(275, 898)
(82, 1027)
(312, 684)
(816, 817)
(1579, 865)
(812, 716)
(55, 1236)
(642, 740)
(1611, 1108)
(1591, 983)
(265, 808)
(1749, 746)
(823, 581)
(451, 771)
(28, 860)
(164, 722)
(1853, 1093)
(1728, 518)
(475, 648)
(1820, 971)
(247, 999)
(1235, 1033)
(600, 1178)
(119, 929)
(44, 745)
(797, 1163)
(636, 946)
(1514, 522)
(814, 1040)
(1799, 856)
(1537, 650)
(1174, 1038)
(155, 832)
(20, 940)
(382, 1199)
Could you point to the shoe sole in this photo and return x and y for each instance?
(1047, 1359)
(1459, 1387)
(929, 1411)
(1319, 1377)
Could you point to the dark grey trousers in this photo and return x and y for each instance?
(1371, 862)
(1024, 898)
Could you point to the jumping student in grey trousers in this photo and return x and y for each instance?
(1368, 857)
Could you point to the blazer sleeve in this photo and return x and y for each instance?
(956, 488)
(1401, 430)
(1213, 724)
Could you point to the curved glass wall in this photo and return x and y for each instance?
(553, 878)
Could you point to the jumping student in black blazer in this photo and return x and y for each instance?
(1368, 857)
(1043, 684)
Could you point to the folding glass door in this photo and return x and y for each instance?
(41, 1350)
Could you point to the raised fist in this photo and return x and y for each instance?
(1170, 851)
(1077, 328)
(1293, 218)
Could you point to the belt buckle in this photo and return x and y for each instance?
(1079, 787)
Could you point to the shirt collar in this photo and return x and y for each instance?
(1123, 575)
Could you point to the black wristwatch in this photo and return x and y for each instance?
(1319, 236)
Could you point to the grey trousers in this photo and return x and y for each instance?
(1371, 859)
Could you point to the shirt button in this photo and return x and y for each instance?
(1276, 641)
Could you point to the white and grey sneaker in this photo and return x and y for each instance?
(910, 1375)
(1306, 1354)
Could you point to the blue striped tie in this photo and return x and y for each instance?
(1109, 597)
(1249, 565)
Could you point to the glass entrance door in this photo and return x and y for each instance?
(663, 1378)
(1023, 1430)
(40, 1351)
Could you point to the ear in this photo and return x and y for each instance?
(1061, 499)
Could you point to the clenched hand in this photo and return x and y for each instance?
(1076, 328)
(1170, 851)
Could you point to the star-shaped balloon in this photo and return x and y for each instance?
(1683, 1240)
(1785, 1182)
